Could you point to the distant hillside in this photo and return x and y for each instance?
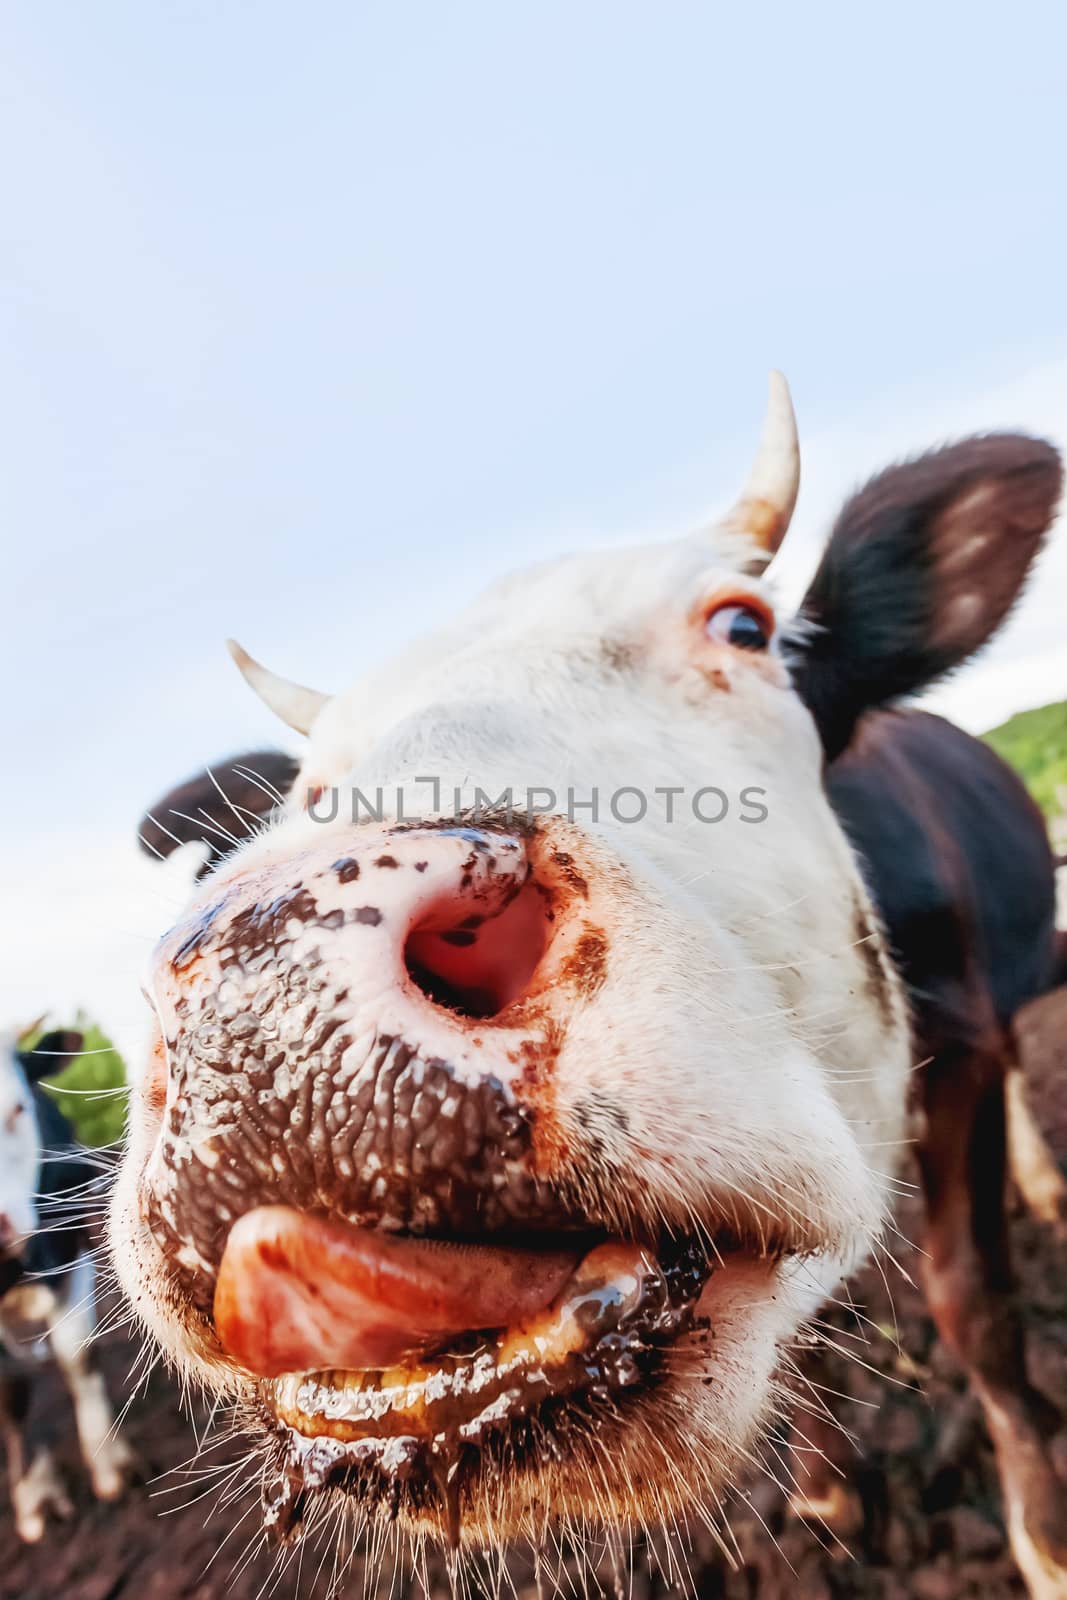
(1035, 744)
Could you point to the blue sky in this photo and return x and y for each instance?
(312, 315)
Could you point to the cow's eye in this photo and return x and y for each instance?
(745, 626)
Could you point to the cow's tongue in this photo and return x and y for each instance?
(298, 1293)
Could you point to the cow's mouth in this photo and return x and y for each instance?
(398, 1369)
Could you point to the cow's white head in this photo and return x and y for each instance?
(20, 1134)
(494, 1158)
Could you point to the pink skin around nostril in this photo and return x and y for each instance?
(429, 927)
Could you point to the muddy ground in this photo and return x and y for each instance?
(930, 1524)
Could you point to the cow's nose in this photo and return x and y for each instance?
(455, 918)
(362, 1027)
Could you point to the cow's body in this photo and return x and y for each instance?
(958, 859)
(47, 1287)
(672, 1063)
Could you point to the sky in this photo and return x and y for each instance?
(309, 314)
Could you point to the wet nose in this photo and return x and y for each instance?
(454, 919)
(359, 1028)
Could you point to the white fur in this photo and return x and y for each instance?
(37, 1320)
(72, 1327)
(20, 1150)
(37, 1492)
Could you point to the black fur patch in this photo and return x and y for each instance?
(957, 858)
(923, 565)
(196, 810)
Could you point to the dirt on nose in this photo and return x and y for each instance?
(311, 1063)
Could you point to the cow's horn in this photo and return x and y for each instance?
(768, 498)
(297, 706)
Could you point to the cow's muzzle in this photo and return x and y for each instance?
(364, 1186)
(367, 1030)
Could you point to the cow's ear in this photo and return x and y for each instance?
(922, 567)
(52, 1052)
(219, 806)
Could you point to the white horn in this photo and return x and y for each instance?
(768, 498)
(297, 706)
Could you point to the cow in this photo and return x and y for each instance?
(47, 1274)
(526, 1080)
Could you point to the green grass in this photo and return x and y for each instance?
(84, 1091)
(1035, 744)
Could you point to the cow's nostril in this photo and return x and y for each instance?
(475, 964)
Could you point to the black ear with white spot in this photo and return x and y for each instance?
(922, 567)
(52, 1052)
(219, 807)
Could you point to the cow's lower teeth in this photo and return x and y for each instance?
(387, 1429)
(620, 1304)
(614, 1288)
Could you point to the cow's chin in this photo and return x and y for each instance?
(623, 1412)
(637, 1393)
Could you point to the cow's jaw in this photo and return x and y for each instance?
(426, 1427)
